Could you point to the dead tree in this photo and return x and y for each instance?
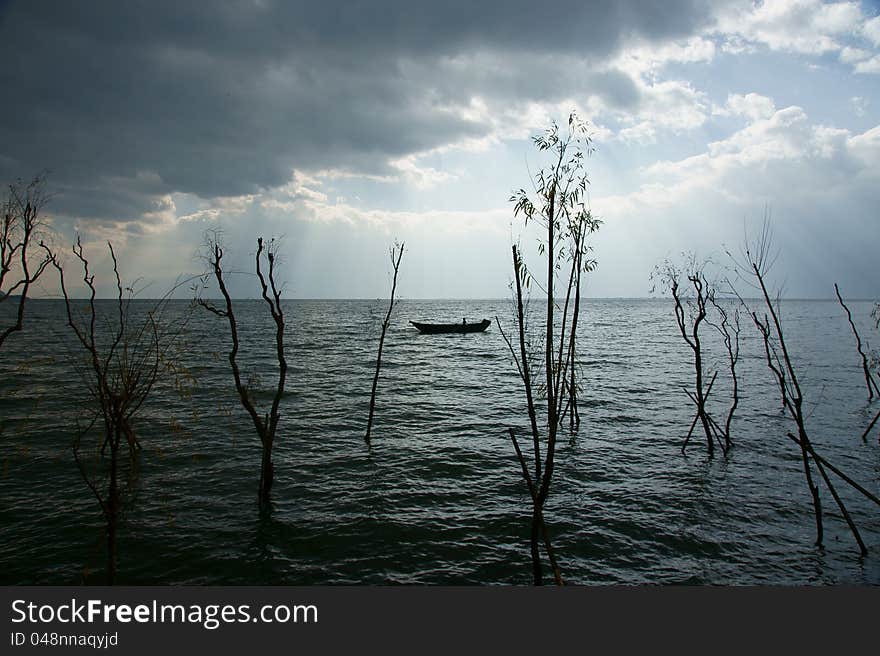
(557, 207)
(396, 253)
(870, 383)
(123, 359)
(691, 310)
(19, 268)
(265, 425)
(754, 265)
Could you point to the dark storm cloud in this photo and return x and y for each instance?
(126, 101)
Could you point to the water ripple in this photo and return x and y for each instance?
(438, 498)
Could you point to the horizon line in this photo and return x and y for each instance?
(437, 298)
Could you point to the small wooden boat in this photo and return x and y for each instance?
(463, 327)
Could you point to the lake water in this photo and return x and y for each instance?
(439, 497)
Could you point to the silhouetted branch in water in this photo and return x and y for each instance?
(755, 263)
(696, 418)
(875, 362)
(792, 404)
(18, 233)
(523, 363)
(869, 378)
(267, 425)
(834, 469)
(730, 336)
(852, 527)
(689, 320)
(533, 492)
(396, 253)
(123, 366)
(557, 205)
(870, 426)
(570, 386)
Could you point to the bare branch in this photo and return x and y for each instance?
(758, 261)
(19, 230)
(396, 254)
(265, 426)
(870, 383)
(121, 376)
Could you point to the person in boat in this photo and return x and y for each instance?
(463, 321)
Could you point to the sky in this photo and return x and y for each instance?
(341, 127)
